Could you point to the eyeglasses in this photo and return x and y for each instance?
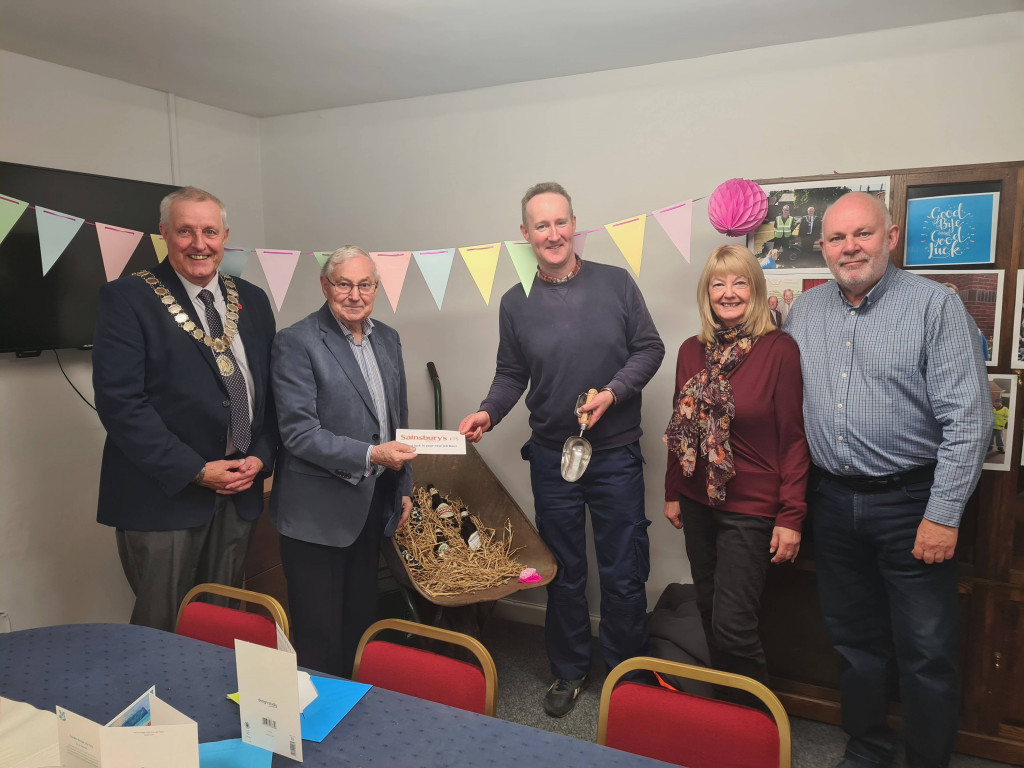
(345, 287)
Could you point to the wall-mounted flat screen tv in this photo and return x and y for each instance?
(58, 310)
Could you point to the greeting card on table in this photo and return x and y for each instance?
(268, 696)
(148, 732)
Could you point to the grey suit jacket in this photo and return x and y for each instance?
(327, 420)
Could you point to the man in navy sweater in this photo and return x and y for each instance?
(583, 326)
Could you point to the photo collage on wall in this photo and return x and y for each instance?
(789, 237)
(948, 229)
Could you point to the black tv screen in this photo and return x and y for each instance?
(58, 310)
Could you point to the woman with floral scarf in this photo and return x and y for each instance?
(737, 456)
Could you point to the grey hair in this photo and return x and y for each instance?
(194, 194)
(545, 187)
(345, 254)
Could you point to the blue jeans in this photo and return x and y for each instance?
(613, 489)
(878, 599)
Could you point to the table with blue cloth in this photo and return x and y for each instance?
(95, 670)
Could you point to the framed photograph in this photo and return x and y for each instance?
(1017, 354)
(1004, 401)
(981, 291)
(952, 229)
(788, 238)
(785, 285)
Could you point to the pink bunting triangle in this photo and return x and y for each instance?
(116, 246)
(677, 220)
(393, 268)
(579, 241)
(278, 266)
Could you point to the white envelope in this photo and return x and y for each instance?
(438, 441)
(149, 732)
(268, 696)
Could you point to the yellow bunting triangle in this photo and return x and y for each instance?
(160, 246)
(525, 261)
(482, 261)
(628, 234)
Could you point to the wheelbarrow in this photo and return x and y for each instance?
(473, 481)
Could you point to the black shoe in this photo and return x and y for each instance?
(561, 696)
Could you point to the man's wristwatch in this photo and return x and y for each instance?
(615, 399)
(198, 479)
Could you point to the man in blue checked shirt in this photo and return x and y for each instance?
(897, 415)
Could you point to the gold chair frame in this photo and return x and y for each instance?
(705, 675)
(471, 644)
(274, 608)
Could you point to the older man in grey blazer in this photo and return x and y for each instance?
(341, 481)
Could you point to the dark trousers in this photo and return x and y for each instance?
(729, 557)
(332, 595)
(878, 600)
(613, 490)
(162, 566)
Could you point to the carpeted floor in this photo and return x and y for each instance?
(523, 678)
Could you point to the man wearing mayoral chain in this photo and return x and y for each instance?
(181, 371)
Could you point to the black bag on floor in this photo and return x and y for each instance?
(677, 634)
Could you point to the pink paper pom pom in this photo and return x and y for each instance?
(737, 207)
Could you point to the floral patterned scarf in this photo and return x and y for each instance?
(704, 409)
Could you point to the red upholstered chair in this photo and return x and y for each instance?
(221, 626)
(428, 675)
(692, 730)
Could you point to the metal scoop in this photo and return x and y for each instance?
(576, 452)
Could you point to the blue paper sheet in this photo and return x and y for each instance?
(233, 753)
(334, 700)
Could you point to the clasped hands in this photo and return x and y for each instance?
(231, 476)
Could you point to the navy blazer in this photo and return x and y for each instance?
(327, 420)
(166, 407)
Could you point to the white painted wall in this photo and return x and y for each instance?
(448, 171)
(57, 565)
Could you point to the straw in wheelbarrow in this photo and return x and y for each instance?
(450, 553)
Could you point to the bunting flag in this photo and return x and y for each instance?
(160, 246)
(482, 261)
(278, 266)
(235, 261)
(435, 266)
(676, 220)
(393, 268)
(56, 231)
(628, 235)
(10, 212)
(116, 247)
(525, 261)
(579, 241)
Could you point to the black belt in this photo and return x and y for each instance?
(869, 484)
